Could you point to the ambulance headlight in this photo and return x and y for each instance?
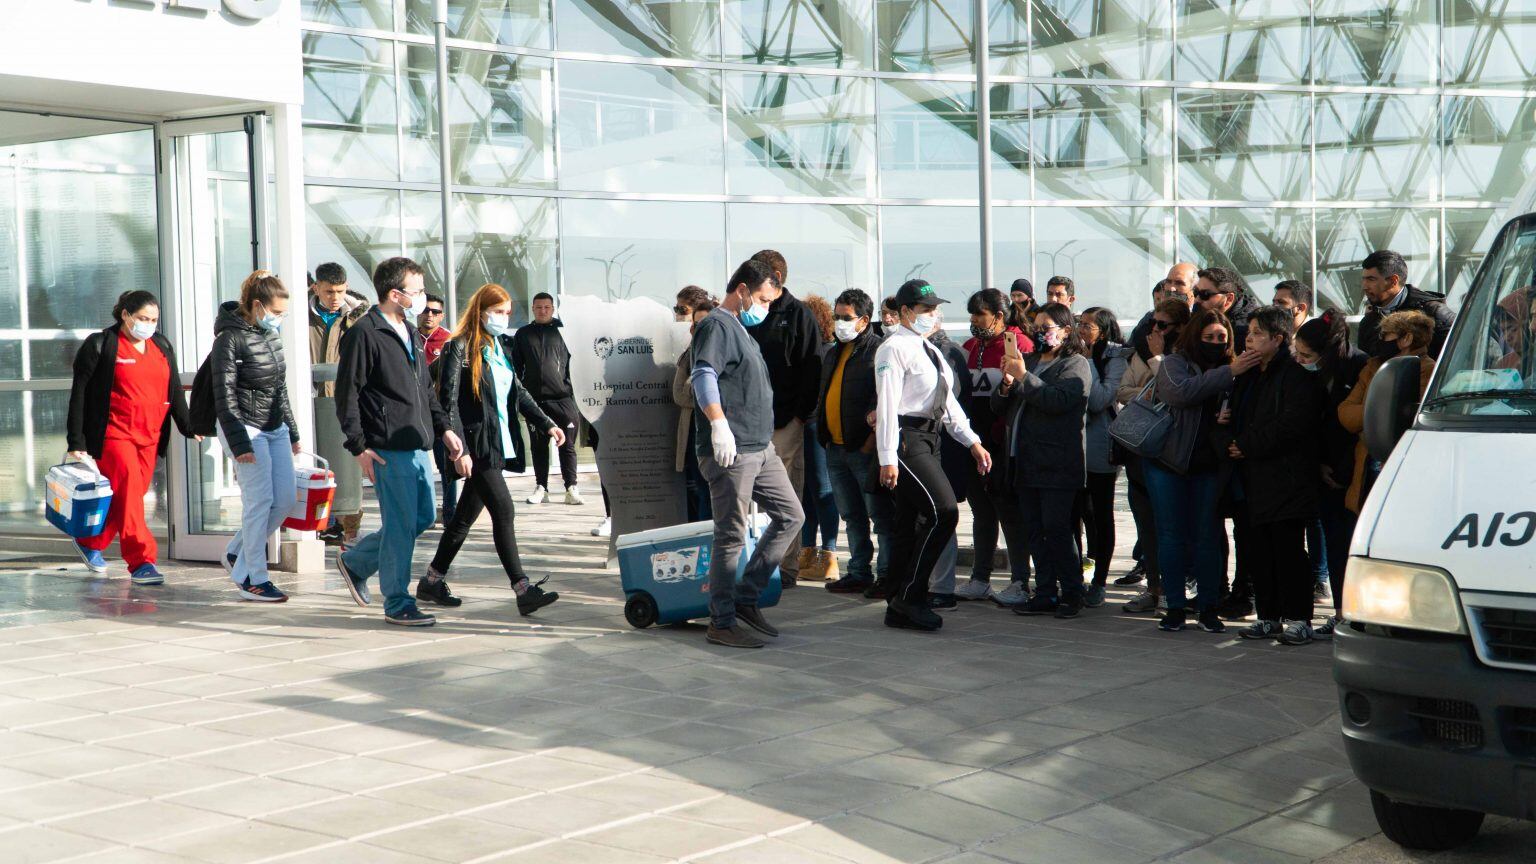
(1394, 594)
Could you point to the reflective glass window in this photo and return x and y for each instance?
(1013, 253)
(829, 248)
(630, 128)
(1243, 40)
(363, 14)
(509, 240)
(1107, 143)
(1011, 141)
(640, 28)
(1238, 146)
(421, 228)
(1113, 254)
(1490, 147)
(498, 112)
(837, 33)
(1487, 43)
(623, 249)
(1468, 234)
(523, 23)
(1376, 42)
(1008, 36)
(927, 139)
(800, 134)
(1265, 246)
(934, 243)
(356, 228)
(1122, 39)
(349, 108)
(1346, 236)
(1374, 147)
(924, 35)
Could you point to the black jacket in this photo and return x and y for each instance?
(1338, 450)
(384, 397)
(477, 416)
(858, 390)
(542, 361)
(1277, 418)
(789, 338)
(1428, 302)
(249, 387)
(90, 394)
(1048, 423)
(955, 458)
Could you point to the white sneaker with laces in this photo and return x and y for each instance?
(539, 496)
(973, 589)
(1015, 593)
(604, 528)
(573, 496)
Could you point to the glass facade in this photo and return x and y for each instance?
(629, 147)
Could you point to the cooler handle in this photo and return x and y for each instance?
(319, 462)
(87, 461)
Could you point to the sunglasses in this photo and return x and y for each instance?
(846, 317)
(681, 310)
(430, 311)
(1206, 295)
(1161, 325)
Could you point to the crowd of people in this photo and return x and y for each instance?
(839, 417)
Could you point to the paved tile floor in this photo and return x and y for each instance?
(177, 724)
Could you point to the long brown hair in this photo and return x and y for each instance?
(471, 330)
(1189, 337)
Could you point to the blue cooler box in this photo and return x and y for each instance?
(665, 572)
(78, 499)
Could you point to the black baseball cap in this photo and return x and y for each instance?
(915, 291)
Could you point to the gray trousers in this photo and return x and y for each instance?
(756, 477)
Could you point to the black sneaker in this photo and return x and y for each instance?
(331, 535)
(535, 598)
(1173, 622)
(229, 562)
(735, 636)
(1210, 622)
(942, 601)
(877, 591)
(1235, 608)
(849, 585)
(436, 592)
(753, 617)
(1037, 605)
(358, 588)
(1068, 609)
(908, 616)
(1136, 576)
(411, 617)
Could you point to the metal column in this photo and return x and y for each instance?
(445, 154)
(984, 138)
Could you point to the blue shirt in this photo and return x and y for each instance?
(501, 380)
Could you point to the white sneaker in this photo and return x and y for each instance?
(973, 589)
(1014, 594)
(573, 496)
(604, 528)
(539, 496)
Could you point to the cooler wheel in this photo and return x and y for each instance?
(640, 611)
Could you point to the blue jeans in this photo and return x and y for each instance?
(407, 507)
(942, 579)
(266, 497)
(849, 470)
(1189, 533)
(1317, 551)
(820, 504)
(450, 477)
(699, 507)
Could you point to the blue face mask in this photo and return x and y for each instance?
(1311, 367)
(495, 324)
(271, 323)
(753, 315)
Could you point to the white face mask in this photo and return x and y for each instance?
(925, 323)
(845, 331)
(496, 324)
(418, 303)
(142, 330)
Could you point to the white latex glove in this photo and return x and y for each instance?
(723, 442)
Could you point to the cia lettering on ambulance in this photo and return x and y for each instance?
(1518, 529)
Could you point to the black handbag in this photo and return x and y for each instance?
(1143, 424)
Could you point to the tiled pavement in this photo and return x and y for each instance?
(177, 724)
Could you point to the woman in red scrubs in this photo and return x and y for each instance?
(125, 392)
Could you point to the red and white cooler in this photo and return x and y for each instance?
(314, 490)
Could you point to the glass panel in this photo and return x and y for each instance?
(1381, 42)
(627, 128)
(640, 28)
(1008, 36)
(349, 107)
(523, 23)
(801, 135)
(1108, 143)
(927, 140)
(1113, 254)
(1488, 42)
(1011, 144)
(363, 14)
(356, 228)
(1345, 237)
(1013, 252)
(924, 35)
(1468, 235)
(829, 248)
(1488, 147)
(621, 249)
(506, 239)
(838, 33)
(934, 243)
(499, 111)
(10, 241)
(1264, 246)
(421, 222)
(1372, 147)
(1243, 40)
(1236, 146)
(1123, 39)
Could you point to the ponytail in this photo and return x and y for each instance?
(260, 287)
(130, 302)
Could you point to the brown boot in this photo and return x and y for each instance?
(806, 569)
(827, 561)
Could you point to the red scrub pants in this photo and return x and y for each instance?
(130, 468)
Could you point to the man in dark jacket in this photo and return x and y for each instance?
(390, 417)
(789, 339)
(1384, 282)
(1225, 291)
(1269, 439)
(847, 397)
(543, 363)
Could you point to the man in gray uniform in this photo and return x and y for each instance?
(734, 440)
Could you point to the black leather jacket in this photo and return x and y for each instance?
(249, 387)
(476, 416)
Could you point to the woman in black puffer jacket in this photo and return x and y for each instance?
(250, 400)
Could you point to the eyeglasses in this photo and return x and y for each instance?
(681, 310)
(846, 317)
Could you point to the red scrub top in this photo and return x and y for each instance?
(139, 391)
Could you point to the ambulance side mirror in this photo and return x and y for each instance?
(1390, 405)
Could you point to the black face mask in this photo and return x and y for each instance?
(1213, 353)
(1385, 350)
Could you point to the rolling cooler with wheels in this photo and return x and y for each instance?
(665, 572)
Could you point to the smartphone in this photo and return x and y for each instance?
(1010, 347)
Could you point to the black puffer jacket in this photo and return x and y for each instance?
(249, 387)
(1414, 300)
